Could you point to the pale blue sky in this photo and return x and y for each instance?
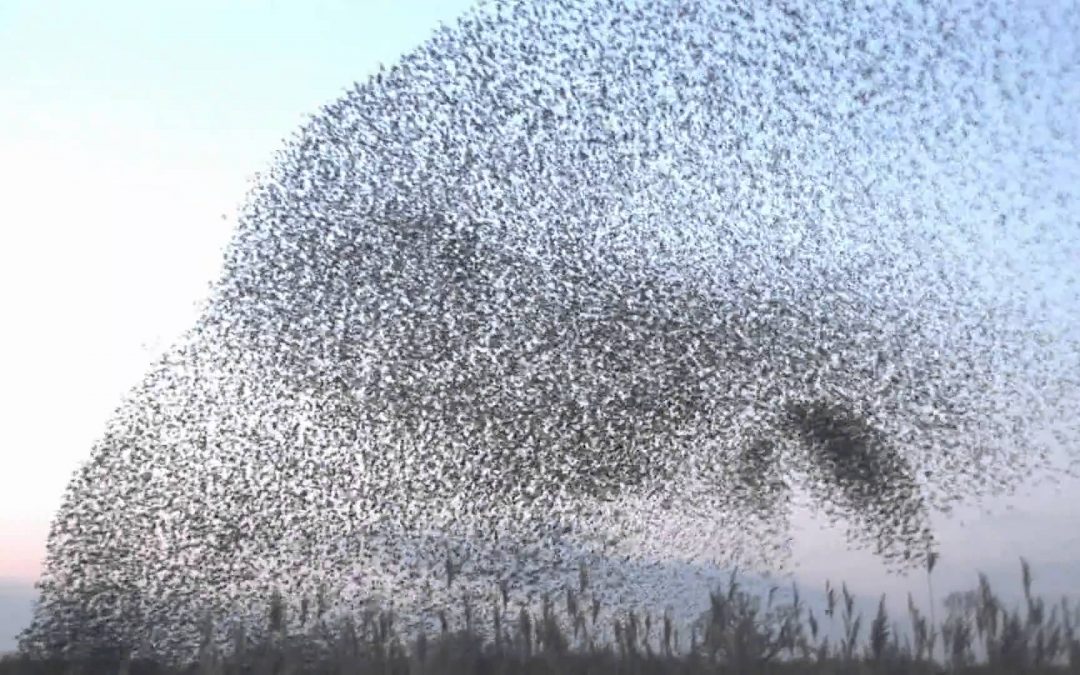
(127, 129)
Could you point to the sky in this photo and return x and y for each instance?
(128, 134)
(127, 131)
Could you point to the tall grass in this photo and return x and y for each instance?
(740, 632)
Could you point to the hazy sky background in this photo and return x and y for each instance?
(128, 132)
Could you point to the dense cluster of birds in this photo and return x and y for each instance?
(615, 284)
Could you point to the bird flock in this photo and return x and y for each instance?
(611, 284)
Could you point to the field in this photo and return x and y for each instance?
(741, 632)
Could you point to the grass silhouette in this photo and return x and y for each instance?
(741, 632)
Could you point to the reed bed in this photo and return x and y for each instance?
(741, 632)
